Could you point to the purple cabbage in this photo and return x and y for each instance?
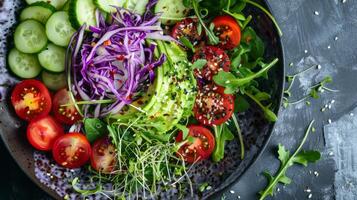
(113, 60)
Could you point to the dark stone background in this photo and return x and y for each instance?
(303, 30)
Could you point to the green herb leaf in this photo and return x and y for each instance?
(241, 104)
(314, 93)
(199, 64)
(184, 130)
(94, 129)
(83, 192)
(270, 115)
(286, 161)
(262, 96)
(222, 134)
(237, 16)
(187, 43)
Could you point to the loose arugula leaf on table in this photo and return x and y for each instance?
(222, 134)
(286, 161)
(94, 129)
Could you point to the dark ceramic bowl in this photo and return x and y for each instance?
(255, 128)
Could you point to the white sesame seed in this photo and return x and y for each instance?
(329, 106)
(333, 101)
(238, 197)
(316, 173)
(336, 38)
(328, 47)
(329, 121)
(316, 13)
(232, 191)
(306, 51)
(291, 64)
(318, 66)
(344, 1)
(278, 189)
(310, 196)
(351, 114)
(330, 154)
(308, 190)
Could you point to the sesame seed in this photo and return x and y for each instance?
(316, 13)
(308, 190)
(330, 154)
(328, 47)
(306, 51)
(318, 67)
(232, 191)
(316, 173)
(333, 101)
(336, 38)
(351, 114)
(344, 1)
(291, 64)
(329, 121)
(310, 196)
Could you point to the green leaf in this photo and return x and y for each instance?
(187, 3)
(283, 154)
(238, 7)
(304, 157)
(262, 96)
(285, 180)
(327, 79)
(224, 78)
(241, 104)
(94, 129)
(184, 130)
(314, 93)
(199, 64)
(222, 134)
(187, 43)
(270, 115)
(237, 16)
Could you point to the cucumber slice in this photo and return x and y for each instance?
(59, 29)
(137, 6)
(53, 58)
(23, 65)
(54, 81)
(172, 11)
(66, 6)
(107, 5)
(82, 12)
(39, 11)
(30, 36)
(58, 4)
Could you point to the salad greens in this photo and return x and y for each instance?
(286, 160)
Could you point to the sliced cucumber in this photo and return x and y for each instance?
(58, 4)
(66, 6)
(137, 6)
(107, 5)
(54, 81)
(53, 58)
(23, 65)
(59, 29)
(39, 11)
(82, 12)
(30, 36)
(171, 11)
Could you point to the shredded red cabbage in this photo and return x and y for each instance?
(113, 61)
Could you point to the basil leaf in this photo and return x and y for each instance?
(94, 129)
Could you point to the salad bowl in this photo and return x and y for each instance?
(255, 128)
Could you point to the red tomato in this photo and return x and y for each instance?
(103, 157)
(71, 150)
(65, 114)
(43, 132)
(228, 31)
(201, 148)
(31, 99)
(217, 60)
(213, 106)
(187, 28)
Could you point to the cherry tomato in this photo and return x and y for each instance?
(228, 31)
(213, 106)
(43, 132)
(65, 114)
(201, 147)
(31, 99)
(187, 28)
(217, 60)
(71, 150)
(103, 157)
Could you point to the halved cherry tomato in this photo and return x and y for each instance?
(71, 150)
(228, 31)
(217, 60)
(103, 157)
(31, 99)
(187, 28)
(43, 132)
(201, 148)
(65, 114)
(213, 106)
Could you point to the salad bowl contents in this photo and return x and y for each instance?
(141, 99)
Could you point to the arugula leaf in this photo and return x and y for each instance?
(237, 16)
(286, 161)
(241, 104)
(199, 64)
(184, 130)
(227, 79)
(94, 129)
(222, 134)
(187, 43)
